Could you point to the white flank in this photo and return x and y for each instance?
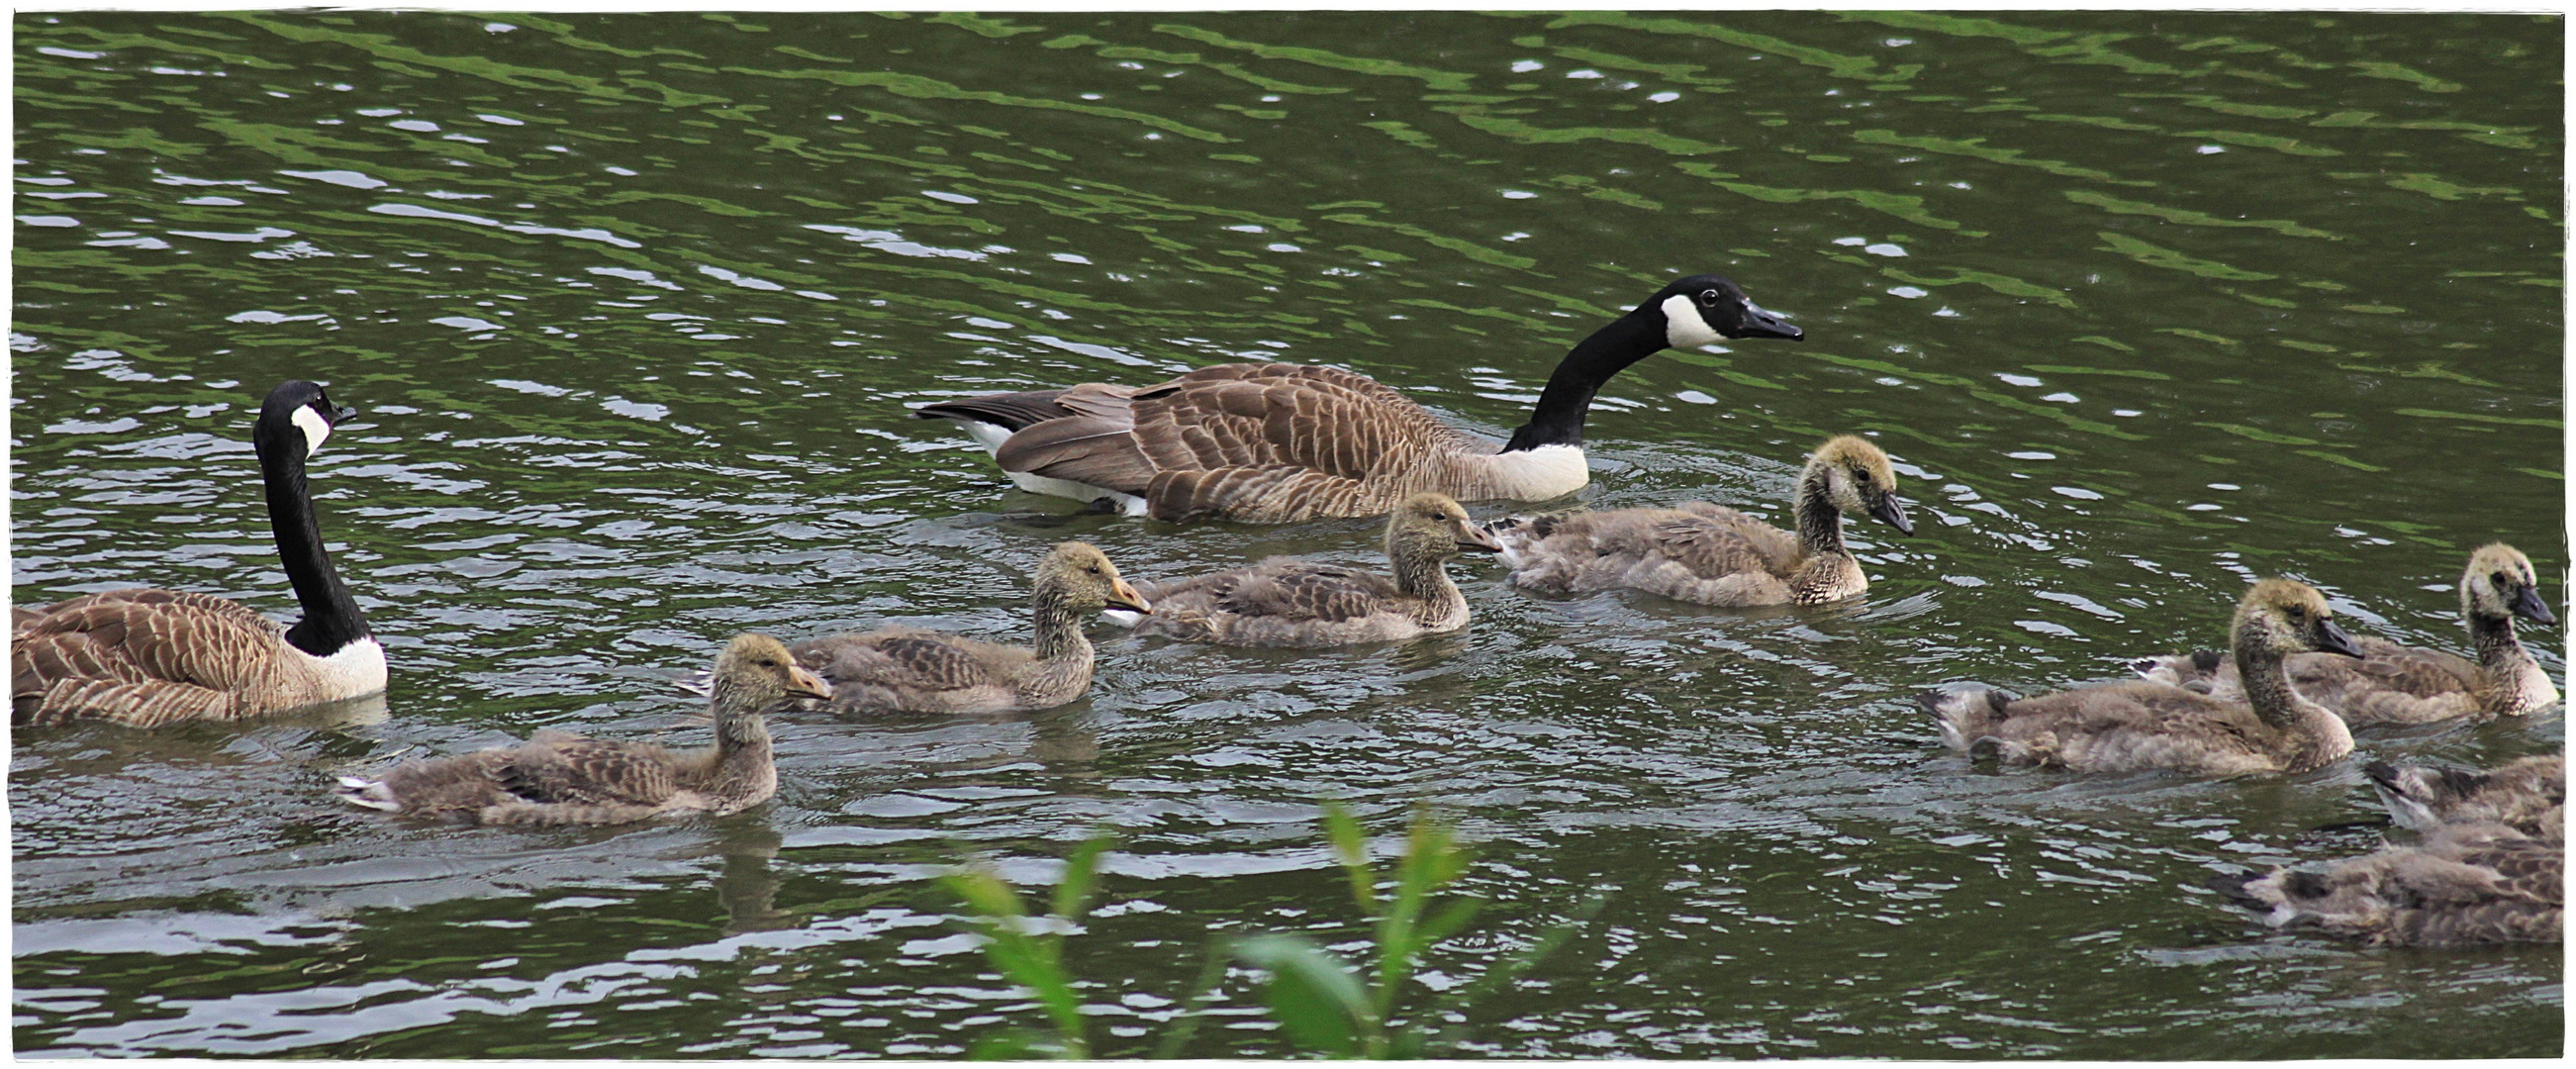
(1684, 327)
(989, 435)
(1538, 474)
(1128, 504)
(358, 669)
(316, 429)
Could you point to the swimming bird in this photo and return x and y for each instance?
(2463, 885)
(1714, 555)
(148, 657)
(906, 669)
(560, 778)
(2394, 684)
(1280, 443)
(2137, 725)
(2525, 794)
(1286, 602)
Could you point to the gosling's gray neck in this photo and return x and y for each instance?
(2499, 649)
(1820, 522)
(1063, 666)
(2313, 734)
(742, 759)
(1059, 629)
(2515, 680)
(1421, 574)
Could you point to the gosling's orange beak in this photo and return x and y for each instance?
(1477, 539)
(1122, 596)
(804, 684)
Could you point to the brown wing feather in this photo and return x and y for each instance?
(139, 638)
(564, 769)
(1265, 425)
(1307, 591)
(898, 658)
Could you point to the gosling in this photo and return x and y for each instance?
(910, 670)
(1284, 602)
(2138, 725)
(559, 778)
(2394, 684)
(1714, 555)
(2464, 885)
(2525, 794)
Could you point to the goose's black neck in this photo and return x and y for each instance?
(331, 619)
(1820, 522)
(1557, 419)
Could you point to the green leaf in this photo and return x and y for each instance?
(1073, 892)
(1313, 993)
(1454, 914)
(985, 893)
(1350, 846)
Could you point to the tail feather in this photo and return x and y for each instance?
(366, 794)
(1011, 411)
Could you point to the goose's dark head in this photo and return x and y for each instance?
(297, 413)
(1704, 308)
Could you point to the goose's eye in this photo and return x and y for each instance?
(1092, 568)
(2499, 580)
(1708, 297)
(2298, 614)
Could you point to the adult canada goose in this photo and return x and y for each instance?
(904, 669)
(2464, 885)
(2137, 725)
(2524, 793)
(559, 778)
(1711, 554)
(1279, 443)
(150, 657)
(1286, 602)
(2394, 684)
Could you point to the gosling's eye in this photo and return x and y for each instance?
(2298, 615)
(2499, 580)
(1092, 568)
(1708, 297)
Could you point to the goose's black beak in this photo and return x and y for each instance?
(2331, 639)
(1890, 510)
(1760, 323)
(2527, 604)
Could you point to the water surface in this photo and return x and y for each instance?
(2144, 304)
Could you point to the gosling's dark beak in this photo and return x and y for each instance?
(1122, 596)
(2331, 639)
(2527, 604)
(1890, 510)
(1476, 539)
(1761, 323)
(804, 684)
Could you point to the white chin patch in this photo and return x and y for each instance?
(316, 429)
(1684, 327)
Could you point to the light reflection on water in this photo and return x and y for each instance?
(2144, 305)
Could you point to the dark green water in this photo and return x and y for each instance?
(2144, 304)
